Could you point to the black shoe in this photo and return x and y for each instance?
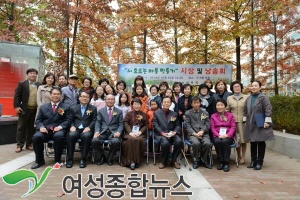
(82, 164)
(37, 165)
(207, 165)
(102, 160)
(110, 163)
(257, 167)
(195, 165)
(69, 164)
(132, 166)
(226, 168)
(251, 165)
(220, 167)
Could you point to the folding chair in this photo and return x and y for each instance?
(233, 146)
(46, 149)
(76, 150)
(52, 155)
(187, 145)
(105, 146)
(147, 146)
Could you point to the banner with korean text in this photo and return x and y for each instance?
(193, 74)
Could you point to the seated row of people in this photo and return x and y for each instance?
(82, 121)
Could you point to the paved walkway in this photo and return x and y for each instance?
(279, 179)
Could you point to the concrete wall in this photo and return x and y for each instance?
(286, 144)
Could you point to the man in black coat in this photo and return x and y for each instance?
(25, 104)
(53, 122)
(167, 129)
(84, 117)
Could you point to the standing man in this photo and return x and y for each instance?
(84, 116)
(62, 81)
(52, 122)
(197, 126)
(70, 92)
(25, 105)
(109, 125)
(167, 129)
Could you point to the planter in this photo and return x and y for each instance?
(286, 144)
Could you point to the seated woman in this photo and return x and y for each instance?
(223, 127)
(133, 144)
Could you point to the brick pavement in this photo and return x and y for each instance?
(279, 178)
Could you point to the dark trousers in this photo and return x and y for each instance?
(86, 138)
(258, 150)
(39, 139)
(223, 148)
(25, 128)
(201, 146)
(165, 144)
(97, 144)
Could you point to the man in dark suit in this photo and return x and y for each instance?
(109, 125)
(167, 129)
(84, 117)
(197, 125)
(52, 122)
(25, 104)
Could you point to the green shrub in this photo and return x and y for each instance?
(286, 113)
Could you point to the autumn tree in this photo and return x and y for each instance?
(17, 20)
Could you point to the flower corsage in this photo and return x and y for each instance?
(203, 116)
(139, 117)
(172, 119)
(61, 111)
(88, 111)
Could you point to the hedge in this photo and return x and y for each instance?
(286, 113)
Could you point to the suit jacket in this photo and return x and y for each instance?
(196, 122)
(114, 125)
(87, 120)
(216, 123)
(61, 117)
(22, 95)
(163, 124)
(67, 96)
(131, 120)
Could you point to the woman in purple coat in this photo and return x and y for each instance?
(223, 127)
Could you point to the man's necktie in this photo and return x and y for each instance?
(109, 114)
(53, 108)
(82, 110)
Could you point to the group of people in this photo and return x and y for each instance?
(65, 112)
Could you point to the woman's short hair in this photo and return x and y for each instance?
(217, 83)
(136, 100)
(87, 78)
(48, 75)
(104, 80)
(236, 82)
(211, 83)
(222, 101)
(259, 83)
(119, 83)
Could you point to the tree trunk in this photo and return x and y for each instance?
(238, 50)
